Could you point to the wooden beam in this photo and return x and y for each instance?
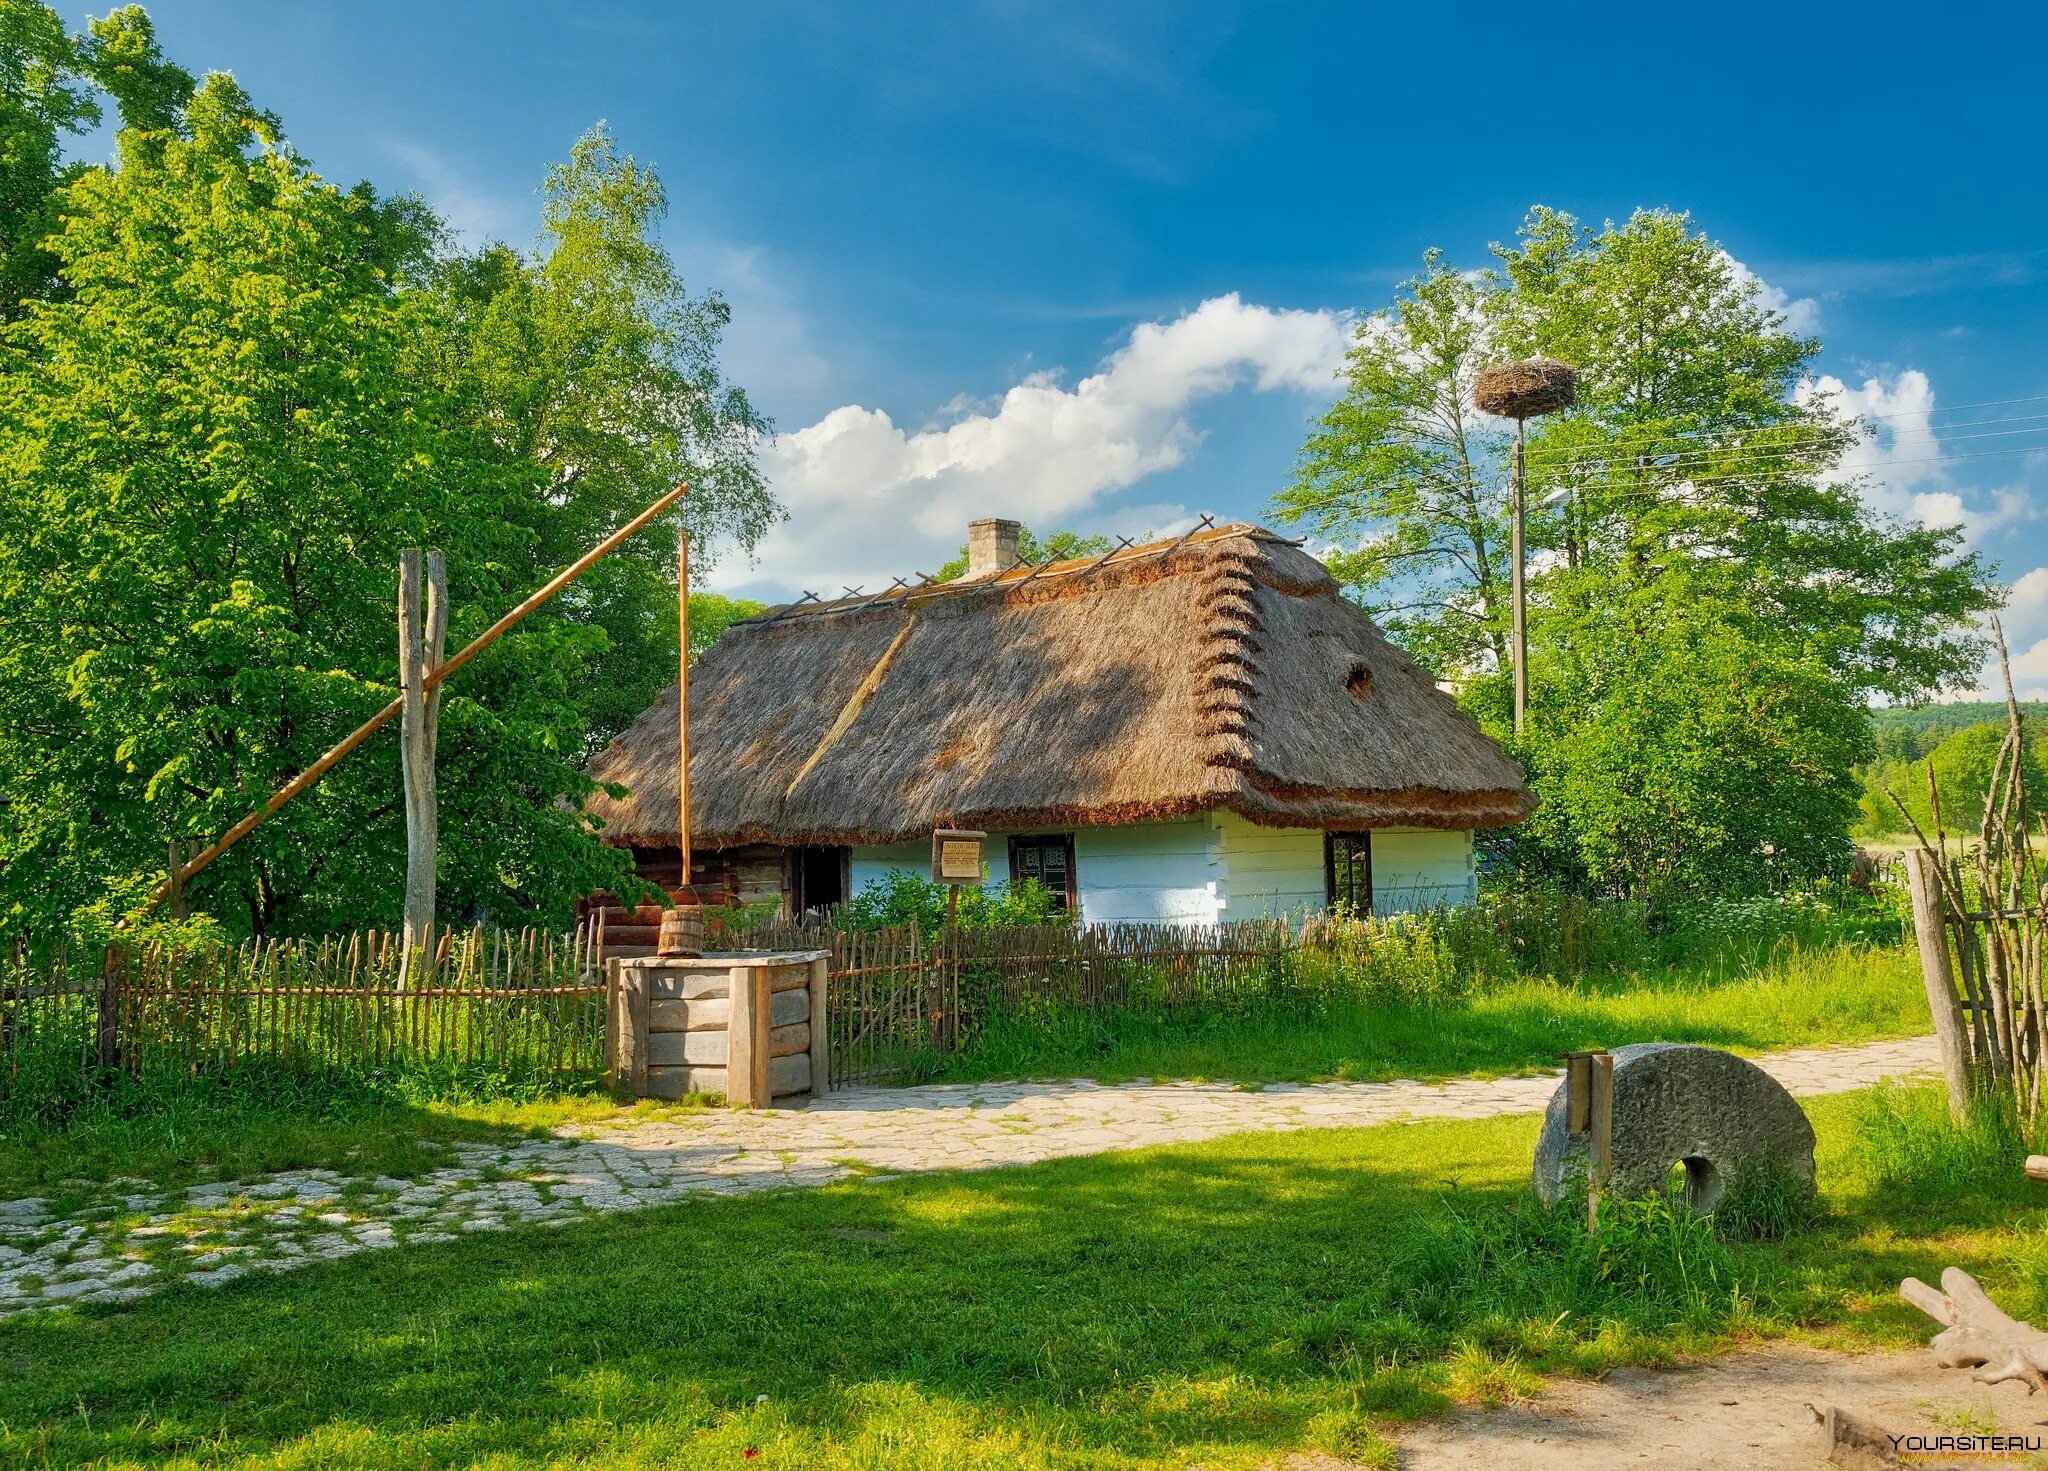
(333, 757)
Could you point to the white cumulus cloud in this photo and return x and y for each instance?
(868, 499)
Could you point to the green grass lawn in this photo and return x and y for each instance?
(1803, 998)
(1216, 1304)
(232, 1130)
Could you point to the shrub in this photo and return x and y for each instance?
(902, 897)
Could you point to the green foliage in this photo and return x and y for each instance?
(711, 614)
(1700, 515)
(1504, 985)
(249, 390)
(1654, 1261)
(1691, 759)
(1908, 1147)
(1961, 764)
(901, 898)
(1908, 732)
(1032, 552)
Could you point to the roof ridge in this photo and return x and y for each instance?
(903, 595)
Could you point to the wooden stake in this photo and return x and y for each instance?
(1938, 976)
(434, 677)
(1602, 1122)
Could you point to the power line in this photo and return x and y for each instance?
(1706, 436)
(1665, 493)
(1668, 461)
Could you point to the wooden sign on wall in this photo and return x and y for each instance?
(956, 856)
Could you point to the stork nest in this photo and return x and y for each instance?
(1524, 390)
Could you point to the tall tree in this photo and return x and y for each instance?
(251, 389)
(1403, 466)
(1697, 491)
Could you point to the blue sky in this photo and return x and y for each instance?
(1087, 264)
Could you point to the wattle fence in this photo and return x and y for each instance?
(531, 1005)
(522, 1004)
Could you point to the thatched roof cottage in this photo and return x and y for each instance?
(1193, 730)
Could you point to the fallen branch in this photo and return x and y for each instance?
(1977, 1333)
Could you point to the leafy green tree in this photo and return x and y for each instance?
(121, 54)
(1706, 762)
(1032, 552)
(589, 381)
(711, 614)
(1693, 489)
(1404, 468)
(251, 389)
(47, 76)
(43, 99)
(1961, 765)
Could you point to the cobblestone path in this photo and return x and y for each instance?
(134, 1239)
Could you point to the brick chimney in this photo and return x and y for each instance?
(992, 546)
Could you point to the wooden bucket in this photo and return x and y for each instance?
(682, 931)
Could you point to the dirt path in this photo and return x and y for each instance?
(1740, 1410)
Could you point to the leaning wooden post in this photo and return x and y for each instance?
(1936, 971)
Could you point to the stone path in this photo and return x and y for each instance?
(135, 1239)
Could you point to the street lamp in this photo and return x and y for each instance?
(1521, 391)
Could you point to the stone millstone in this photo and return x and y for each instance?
(1708, 1110)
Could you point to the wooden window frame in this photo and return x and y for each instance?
(1330, 840)
(1072, 892)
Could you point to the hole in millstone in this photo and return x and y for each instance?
(1696, 1182)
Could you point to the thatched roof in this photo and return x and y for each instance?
(1223, 670)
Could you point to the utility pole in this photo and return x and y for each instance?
(1521, 634)
(1521, 391)
(684, 893)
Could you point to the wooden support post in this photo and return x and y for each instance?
(422, 645)
(1938, 974)
(629, 1031)
(1601, 1100)
(683, 715)
(1518, 494)
(1578, 1092)
(821, 1040)
(107, 1028)
(746, 1037)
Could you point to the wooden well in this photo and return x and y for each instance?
(750, 1026)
